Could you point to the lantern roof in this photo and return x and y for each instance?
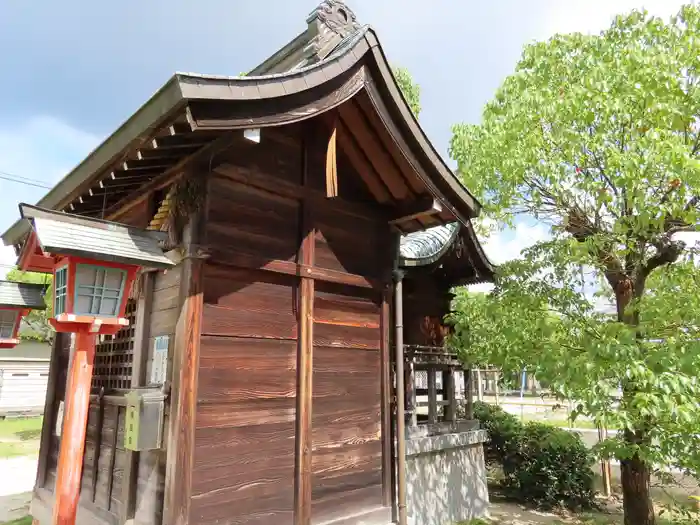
(22, 295)
(59, 233)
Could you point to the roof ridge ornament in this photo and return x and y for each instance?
(333, 15)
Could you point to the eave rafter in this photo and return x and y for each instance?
(170, 146)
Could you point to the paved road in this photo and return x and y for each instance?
(16, 483)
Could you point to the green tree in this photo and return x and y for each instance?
(599, 136)
(37, 326)
(410, 90)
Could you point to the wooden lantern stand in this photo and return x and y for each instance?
(70, 458)
(77, 405)
(94, 263)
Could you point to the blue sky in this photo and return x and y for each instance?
(72, 71)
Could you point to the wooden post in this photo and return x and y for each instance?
(448, 394)
(468, 394)
(432, 396)
(48, 424)
(400, 404)
(183, 403)
(411, 401)
(479, 386)
(303, 444)
(385, 382)
(495, 387)
(70, 458)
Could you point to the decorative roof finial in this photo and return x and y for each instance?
(334, 15)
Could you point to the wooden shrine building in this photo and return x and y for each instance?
(293, 200)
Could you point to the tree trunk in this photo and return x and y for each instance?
(636, 497)
(637, 504)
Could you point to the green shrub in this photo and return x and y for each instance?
(503, 428)
(543, 465)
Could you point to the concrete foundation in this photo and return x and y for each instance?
(446, 478)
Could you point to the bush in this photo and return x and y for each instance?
(543, 465)
(503, 428)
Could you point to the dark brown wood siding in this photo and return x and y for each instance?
(150, 478)
(424, 296)
(347, 460)
(244, 438)
(243, 469)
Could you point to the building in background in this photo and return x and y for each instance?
(24, 373)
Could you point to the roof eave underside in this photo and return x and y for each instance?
(184, 89)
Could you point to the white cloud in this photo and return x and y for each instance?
(593, 16)
(41, 148)
(7, 260)
(508, 245)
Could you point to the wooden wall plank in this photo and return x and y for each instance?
(350, 246)
(248, 303)
(230, 379)
(244, 457)
(347, 427)
(252, 221)
(141, 339)
(220, 414)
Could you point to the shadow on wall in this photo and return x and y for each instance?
(446, 479)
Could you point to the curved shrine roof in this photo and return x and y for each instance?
(319, 70)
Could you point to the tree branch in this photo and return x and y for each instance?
(667, 252)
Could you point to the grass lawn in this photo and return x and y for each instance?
(19, 436)
(27, 520)
(558, 421)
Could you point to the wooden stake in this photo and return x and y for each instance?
(70, 459)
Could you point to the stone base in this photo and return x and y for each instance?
(446, 478)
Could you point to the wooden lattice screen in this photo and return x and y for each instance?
(114, 356)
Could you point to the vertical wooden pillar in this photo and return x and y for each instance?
(432, 396)
(468, 394)
(183, 407)
(410, 385)
(448, 394)
(385, 322)
(70, 459)
(302, 456)
(48, 423)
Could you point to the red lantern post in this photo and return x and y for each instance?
(94, 264)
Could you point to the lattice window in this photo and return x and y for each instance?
(99, 289)
(8, 319)
(422, 379)
(114, 356)
(60, 290)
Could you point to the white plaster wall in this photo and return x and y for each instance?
(446, 478)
